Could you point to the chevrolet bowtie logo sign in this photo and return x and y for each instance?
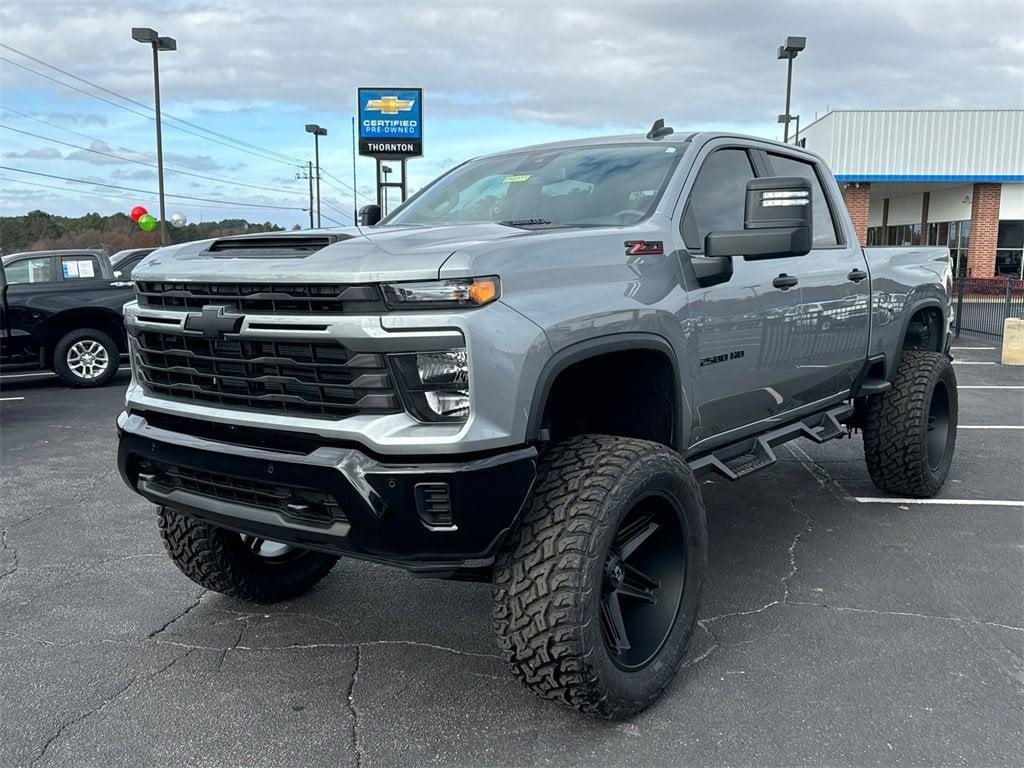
(213, 321)
(390, 105)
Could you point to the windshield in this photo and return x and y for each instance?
(576, 186)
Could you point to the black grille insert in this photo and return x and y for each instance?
(320, 379)
(302, 503)
(268, 298)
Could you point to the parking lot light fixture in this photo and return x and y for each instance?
(789, 51)
(317, 132)
(158, 43)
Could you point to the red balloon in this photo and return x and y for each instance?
(138, 212)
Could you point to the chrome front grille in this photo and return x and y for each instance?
(303, 378)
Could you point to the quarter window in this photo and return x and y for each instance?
(824, 227)
(718, 197)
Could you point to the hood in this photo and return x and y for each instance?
(356, 255)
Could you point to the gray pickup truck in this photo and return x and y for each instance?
(514, 378)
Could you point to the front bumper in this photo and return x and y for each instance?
(428, 517)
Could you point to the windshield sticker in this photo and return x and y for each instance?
(515, 179)
(670, 150)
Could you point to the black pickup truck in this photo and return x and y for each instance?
(62, 310)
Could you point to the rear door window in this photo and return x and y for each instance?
(824, 226)
(79, 267)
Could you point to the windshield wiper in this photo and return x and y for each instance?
(527, 223)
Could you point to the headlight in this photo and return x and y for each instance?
(442, 294)
(435, 384)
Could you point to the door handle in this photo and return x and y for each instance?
(784, 281)
(856, 275)
(121, 284)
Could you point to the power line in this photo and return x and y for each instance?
(130, 100)
(325, 216)
(330, 175)
(151, 192)
(336, 208)
(144, 115)
(144, 163)
(133, 198)
(147, 155)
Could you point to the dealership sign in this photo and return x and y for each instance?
(391, 122)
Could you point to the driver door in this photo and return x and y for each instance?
(744, 328)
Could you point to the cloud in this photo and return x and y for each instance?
(103, 154)
(578, 63)
(77, 118)
(46, 153)
(142, 174)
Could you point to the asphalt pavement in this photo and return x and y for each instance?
(837, 628)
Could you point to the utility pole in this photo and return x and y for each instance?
(308, 175)
(147, 35)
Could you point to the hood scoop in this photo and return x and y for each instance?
(271, 247)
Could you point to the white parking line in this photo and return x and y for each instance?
(949, 502)
(972, 347)
(987, 386)
(993, 426)
(972, 362)
(5, 399)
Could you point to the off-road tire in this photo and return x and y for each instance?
(896, 427)
(60, 355)
(217, 559)
(547, 579)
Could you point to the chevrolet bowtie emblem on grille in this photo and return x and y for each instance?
(213, 321)
(390, 105)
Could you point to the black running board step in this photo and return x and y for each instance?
(748, 456)
(873, 387)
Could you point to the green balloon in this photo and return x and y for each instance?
(147, 223)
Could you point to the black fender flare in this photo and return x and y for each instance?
(595, 347)
(908, 314)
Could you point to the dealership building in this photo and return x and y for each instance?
(932, 177)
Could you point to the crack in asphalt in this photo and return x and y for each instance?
(356, 747)
(181, 615)
(4, 544)
(83, 493)
(55, 736)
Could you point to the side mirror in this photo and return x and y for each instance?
(776, 223)
(369, 215)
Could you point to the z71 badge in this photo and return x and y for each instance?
(644, 248)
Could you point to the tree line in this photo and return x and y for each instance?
(39, 230)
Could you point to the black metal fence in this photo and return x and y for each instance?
(983, 303)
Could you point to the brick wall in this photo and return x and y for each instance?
(981, 257)
(858, 203)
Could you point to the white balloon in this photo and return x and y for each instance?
(178, 219)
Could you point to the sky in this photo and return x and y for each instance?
(495, 76)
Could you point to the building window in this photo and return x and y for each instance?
(1010, 249)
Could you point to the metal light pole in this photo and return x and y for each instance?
(786, 119)
(147, 35)
(355, 199)
(386, 170)
(788, 51)
(317, 132)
